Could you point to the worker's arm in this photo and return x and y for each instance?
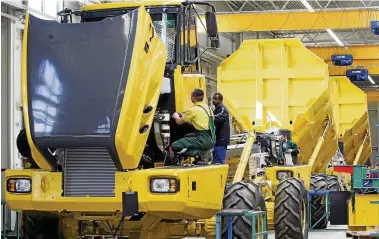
(178, 119)
(293, 148)
(220, 114)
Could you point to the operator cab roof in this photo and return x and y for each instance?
(115, 5)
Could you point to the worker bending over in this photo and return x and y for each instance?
(200, 116)
(287, 146)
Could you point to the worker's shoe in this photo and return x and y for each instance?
(173, 161)
(203, 158)
(199, 162)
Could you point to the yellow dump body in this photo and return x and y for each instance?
(281, 83)
(351, 118)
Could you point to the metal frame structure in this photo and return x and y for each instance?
(310, 37)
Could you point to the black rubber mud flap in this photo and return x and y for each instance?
(339, 207)
(129, 204)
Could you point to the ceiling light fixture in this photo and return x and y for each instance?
(371, 80)
(331, 33)
(306, 4)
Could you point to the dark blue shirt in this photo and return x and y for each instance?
(221, 119)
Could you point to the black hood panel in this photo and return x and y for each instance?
(77, 74)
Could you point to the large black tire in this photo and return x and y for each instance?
(318, 182)
(40, 226)
(290, 213)
(333, 184)
(242, 195)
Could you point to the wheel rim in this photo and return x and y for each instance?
(303, 217)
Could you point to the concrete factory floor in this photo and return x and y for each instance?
(333, 232)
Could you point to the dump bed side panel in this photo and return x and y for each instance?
(280, 83)
(351, 117)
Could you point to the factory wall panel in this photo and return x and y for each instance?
(4, 92)
(373, 111)
(5, 142)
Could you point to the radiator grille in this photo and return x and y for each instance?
(88, 172)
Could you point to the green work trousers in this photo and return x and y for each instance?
(194, 143)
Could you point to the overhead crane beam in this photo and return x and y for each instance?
(366, 56)
(372, 95)
(294, 20)
(371, 65)
(364, 52)
(363, 57)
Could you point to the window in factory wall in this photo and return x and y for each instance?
(35, 4)
(50, 7)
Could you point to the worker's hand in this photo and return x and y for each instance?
(176, 115)
(295, 152)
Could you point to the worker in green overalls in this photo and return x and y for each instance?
(200, 116)
(287, 146)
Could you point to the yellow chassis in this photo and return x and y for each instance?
(200, 202)
(365, 217)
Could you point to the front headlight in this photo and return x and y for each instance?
(283, 175)
(164, 185)
(19, 185)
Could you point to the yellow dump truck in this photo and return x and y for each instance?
(353, 130)
(352, 123)
(97, 100)
(274, 87)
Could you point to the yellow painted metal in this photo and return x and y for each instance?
(320, 142)
(366, 56)
(129, 4)
(360, 150)
(351, 119)
(268, 82)
(233, 165)
(188, 203)
(365, 215)
(287, 21)
(193, 37)
(240, 172)
(303, 172)
(270, 215)
(143, 89)
(37, 156)
(184, 85)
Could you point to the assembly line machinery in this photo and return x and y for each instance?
(97, 126)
